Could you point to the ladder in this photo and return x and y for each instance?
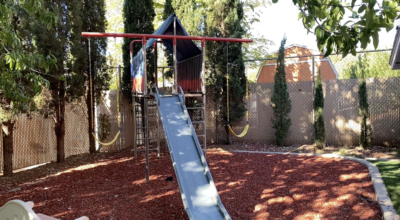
(153, 135)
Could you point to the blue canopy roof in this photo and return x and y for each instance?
(185, 49)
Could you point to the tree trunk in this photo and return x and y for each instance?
(60, 124)
(8, 129)
(228, 136)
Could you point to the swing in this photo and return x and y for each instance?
(91, 100)
(246, 128)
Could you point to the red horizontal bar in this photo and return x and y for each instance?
(178, 37)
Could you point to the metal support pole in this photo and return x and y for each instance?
(216, 122)
(134, 124)
(163, 78)
(96, 124)
(175, 61)
(146, 137)
(158, 131)
(313, 94)
(155, 64)
(205, 125)
(119, 106)
(203, 66)
(203, 90)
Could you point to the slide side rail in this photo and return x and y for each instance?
(200, 153)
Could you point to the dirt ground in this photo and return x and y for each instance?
(251, 186)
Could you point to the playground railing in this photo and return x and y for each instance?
(180, 91)
(156, 94)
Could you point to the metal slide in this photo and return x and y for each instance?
(199, 194)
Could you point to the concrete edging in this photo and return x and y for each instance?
(382, 196)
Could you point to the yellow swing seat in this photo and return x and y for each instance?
(244, 132)
(109, 143)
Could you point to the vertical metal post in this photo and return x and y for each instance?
(96, 125)
(175, 61)
(163, 78)
(203, 66)
(119, 106)
(313, 94)
(134, 124)
(158, 131)
(216, 121)
(203, 90)
(204, 125)
(155, 64)
(146, 138)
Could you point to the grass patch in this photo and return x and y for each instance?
(390, 171)
(344, 151)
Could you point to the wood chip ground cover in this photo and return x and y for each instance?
(251, 186)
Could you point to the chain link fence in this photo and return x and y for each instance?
(35, 140)
(341, 78)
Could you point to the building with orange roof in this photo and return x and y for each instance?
(298, 66)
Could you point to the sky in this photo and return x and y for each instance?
(281, 18)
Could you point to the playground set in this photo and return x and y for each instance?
(198, 192)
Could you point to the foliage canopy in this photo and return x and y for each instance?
(336, 32)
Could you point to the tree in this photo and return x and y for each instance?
(93, 19)
(365, 129)
(319, 125)
(224, 20)
(55, 41)
(138, 18)
(378, 66)
(71, 50)
(168, 10)
(191, 14)
(115, 24)
(22, 68)
(336, 32)
(280, 100)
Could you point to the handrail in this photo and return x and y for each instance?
(158, 94)
(181, 91)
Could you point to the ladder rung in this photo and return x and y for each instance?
(139, 128)
(145, 138)
(195, 108)
(145, 149)
(197, 122)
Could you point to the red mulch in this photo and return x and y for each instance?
(251, 186)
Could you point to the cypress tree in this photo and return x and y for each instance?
(93, 20)
(281, 103)
(71, 51)
(224, 20)
(55, 41)
(138, 18)
(191, 15)
(319, 126)
(365, 129)
(168, 10)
